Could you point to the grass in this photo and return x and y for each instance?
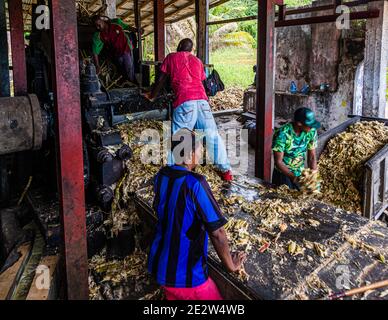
(235, 65)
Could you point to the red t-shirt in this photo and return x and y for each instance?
(115, 39)
(187, 73)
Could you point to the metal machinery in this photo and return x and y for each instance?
(27, 124)
(103, 112)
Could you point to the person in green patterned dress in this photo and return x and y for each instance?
(291, 143)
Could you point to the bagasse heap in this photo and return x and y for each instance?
(341, 165)
(310, 181)
(269, 214)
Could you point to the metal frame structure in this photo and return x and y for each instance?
(68, 107)
(69, 146)
(5, 89)
(15, 9)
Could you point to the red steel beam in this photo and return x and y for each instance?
(69, 146)
(289, 12)
(159, 27)
(370, 14)
(4, 67)
(265, 89)
(19, 68)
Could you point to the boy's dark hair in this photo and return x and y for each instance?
(97, 17)
(184, 143)
(185, 45)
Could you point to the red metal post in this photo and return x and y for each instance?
(265, 89)
(69, 146)
(15, 8)
(4, 67)
(159, 30)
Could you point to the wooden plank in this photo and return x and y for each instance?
(9, 278)
(35, 293)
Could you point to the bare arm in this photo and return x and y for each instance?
(97, 63)
(220, 243)
(280, 165)
(312, 159)
(159, 86)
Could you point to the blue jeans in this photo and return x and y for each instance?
(197, 114)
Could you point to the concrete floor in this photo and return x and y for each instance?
(231, 122)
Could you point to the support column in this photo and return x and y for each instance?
(376, 62)
(18, 50)
(70, 169)
(139, 36)
(265, 89)
(159, 30)
(202, 17)
(5, 90)
(111, 10)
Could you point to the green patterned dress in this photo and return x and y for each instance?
(294, 147)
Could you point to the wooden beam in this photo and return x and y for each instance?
(168, 4)
(123, 3)
(10, 277)
(159, 30)
(132, 13)
(202, 16)
(92, 4)
(18, 49)
(188, 15)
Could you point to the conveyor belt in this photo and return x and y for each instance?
(276, 274)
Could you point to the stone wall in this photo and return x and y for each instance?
(314, 55)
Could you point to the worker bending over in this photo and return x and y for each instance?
(291, 143)
(111, 36)
(187, 214)
(191, 107)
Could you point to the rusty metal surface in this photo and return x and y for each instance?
(202, 17)
(159, 34)
(69, 146)
(4, 67)
(15, 9)
(265, 89)
(21, 126)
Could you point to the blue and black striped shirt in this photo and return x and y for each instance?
(186, 211)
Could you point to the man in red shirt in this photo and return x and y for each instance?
(191, 107)
(111, 36)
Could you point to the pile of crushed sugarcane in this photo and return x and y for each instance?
(341, 164)
(120, 279)
(230, 98)
(310, 182)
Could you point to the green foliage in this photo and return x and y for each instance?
(235, 65)
(238, 39)
(243, 8)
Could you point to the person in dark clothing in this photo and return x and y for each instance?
(111, 35)
(188, 214)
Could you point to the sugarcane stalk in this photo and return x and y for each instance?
(352, 292)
